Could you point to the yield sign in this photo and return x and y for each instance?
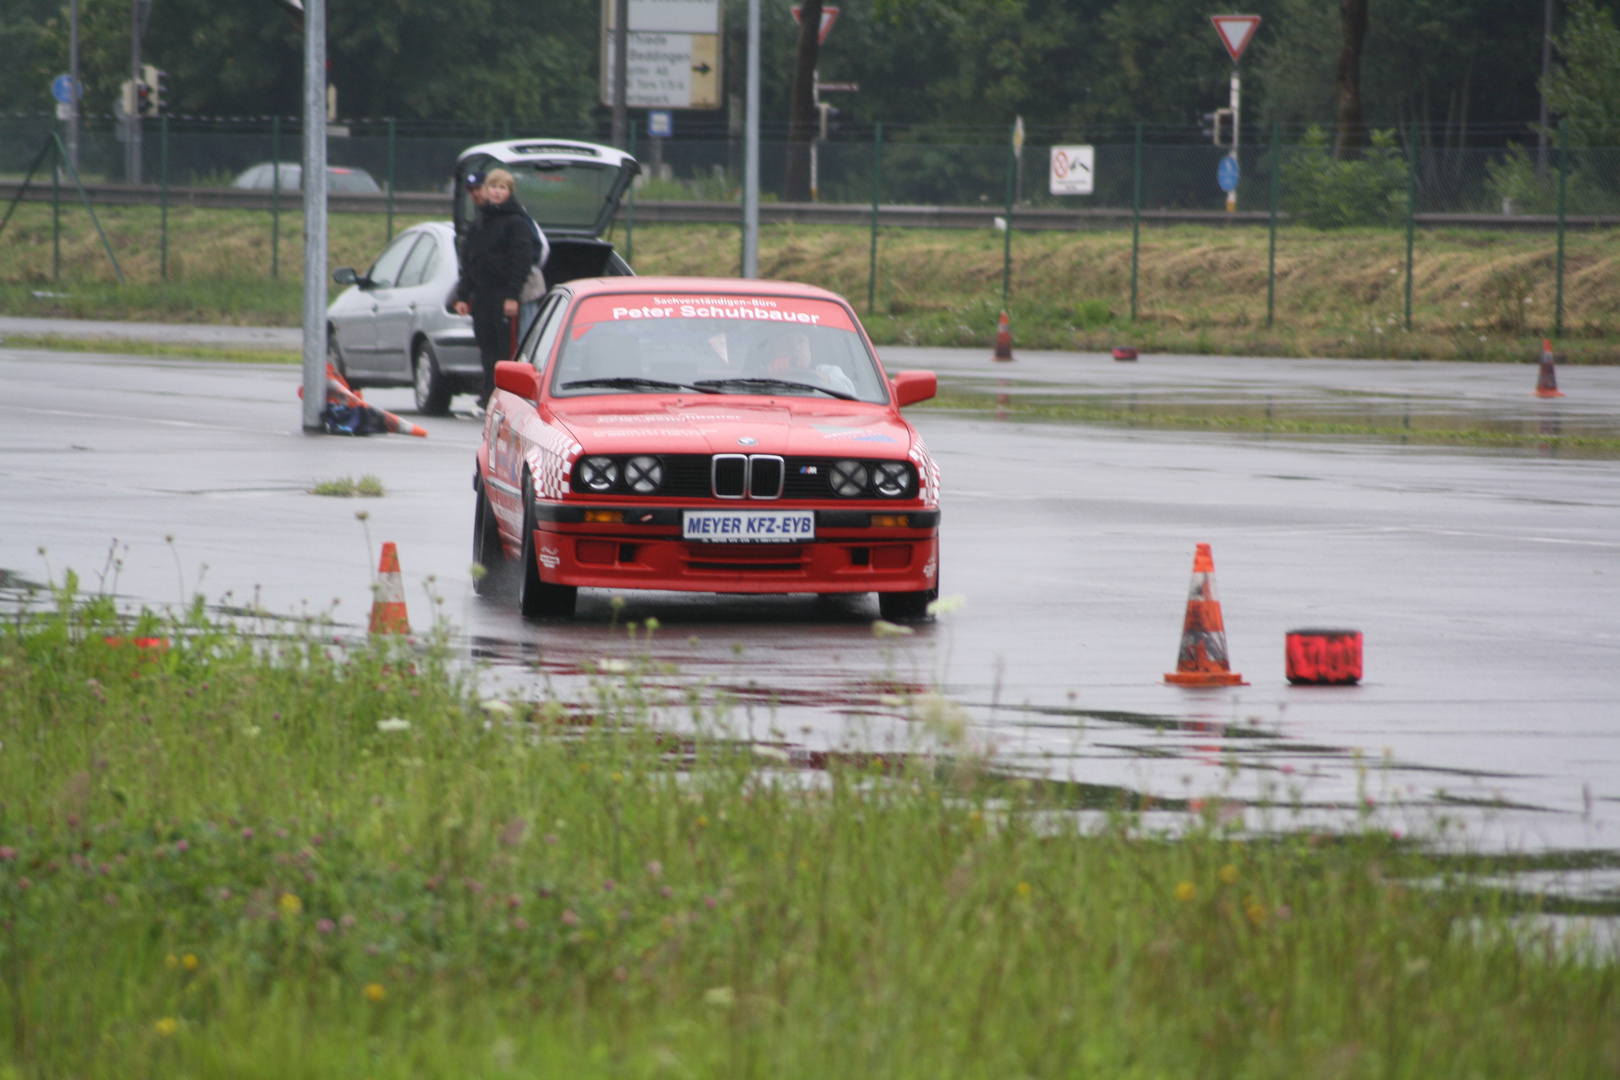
(1236, 32)
(829, 15)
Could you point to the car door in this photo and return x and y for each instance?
(359, 339)
(512, 414)
(397, 307)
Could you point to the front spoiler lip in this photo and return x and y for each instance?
(564, 514)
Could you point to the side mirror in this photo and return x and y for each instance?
(516, 377)
(911, 387)
(345, 275)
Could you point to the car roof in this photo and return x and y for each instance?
(540, 149)
(701, 286)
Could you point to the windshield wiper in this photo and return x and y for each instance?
(635, 382)
(840, 394)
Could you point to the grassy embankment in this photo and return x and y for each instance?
(257, 857)
(1477, 295)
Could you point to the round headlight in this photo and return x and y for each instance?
(644, 474)
(848, 478)
(891, 478)
(598, 473)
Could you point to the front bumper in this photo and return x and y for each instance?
(846, 556)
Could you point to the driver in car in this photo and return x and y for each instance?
(791, 359)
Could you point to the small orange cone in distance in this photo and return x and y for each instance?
(1003, 339)
(1203, 659)
(1547, 378)
(388, 609)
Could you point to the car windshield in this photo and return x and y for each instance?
(644, 343)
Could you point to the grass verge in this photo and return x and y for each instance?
(232, 855)
(126, 347)
(1476, 295)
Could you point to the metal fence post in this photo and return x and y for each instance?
(390, 178)
(1271, 256)
(163, 178)
(275, 197)
(1411, 213)
(56, 214)
(877, 193)
(1136, 216)
(1563, 178)
(1006, 240)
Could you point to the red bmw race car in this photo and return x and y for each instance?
(705, 435)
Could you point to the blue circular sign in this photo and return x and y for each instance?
(62, 89)
(1226, 174)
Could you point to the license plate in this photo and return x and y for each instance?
(748, 526)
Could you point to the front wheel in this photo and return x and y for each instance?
(908, 606)
(539, 599)
(432, 390)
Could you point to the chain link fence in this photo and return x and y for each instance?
(1404, 190)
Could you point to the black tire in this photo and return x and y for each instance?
(432, 388)
(487, 549)
(538, 599)
(908, 606)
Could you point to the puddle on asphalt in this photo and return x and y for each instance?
(1307, 411)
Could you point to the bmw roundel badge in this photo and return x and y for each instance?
(747, 440)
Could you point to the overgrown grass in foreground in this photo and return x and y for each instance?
(245, 857)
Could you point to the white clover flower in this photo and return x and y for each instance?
(393, 723)
(884, 628)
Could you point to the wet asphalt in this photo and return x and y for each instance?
(1486, 583)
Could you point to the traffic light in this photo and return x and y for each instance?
(1217, 126)
(152, 90)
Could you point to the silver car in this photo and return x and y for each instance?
(394, 325)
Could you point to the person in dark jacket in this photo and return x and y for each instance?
(495, 262)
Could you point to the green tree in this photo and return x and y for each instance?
(1585, 87)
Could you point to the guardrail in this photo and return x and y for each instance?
(1024, 219)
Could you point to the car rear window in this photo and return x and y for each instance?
(721, 343)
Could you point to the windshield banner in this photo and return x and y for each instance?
(774, 309)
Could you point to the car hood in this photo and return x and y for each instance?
(723, 424)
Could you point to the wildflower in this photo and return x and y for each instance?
(374, 992)
(1024, 890)
(709, 902)
(620, 973)
(171, 961)
(1229, 874)
(325, 926)
(655, 869)
(721, 997)
(166, 1026)
(551, 838)
(7, 854)
(182, 847)
(1284, 912)
(883, 628)
(666, 892)
(347, 922)
(190, 961)
(247, 833)
(609, 885)
(393, 723)
(703, 821)
(946, 604)
(569, 918)
(291, 904)
(496, 706)
(1185, 891)
(520, 923)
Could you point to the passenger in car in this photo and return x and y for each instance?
(495, 262)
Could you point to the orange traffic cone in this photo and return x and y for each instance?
(1203, 636)
(388, 609)
(338, 392)
(1003, 339)
(1547, 379)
